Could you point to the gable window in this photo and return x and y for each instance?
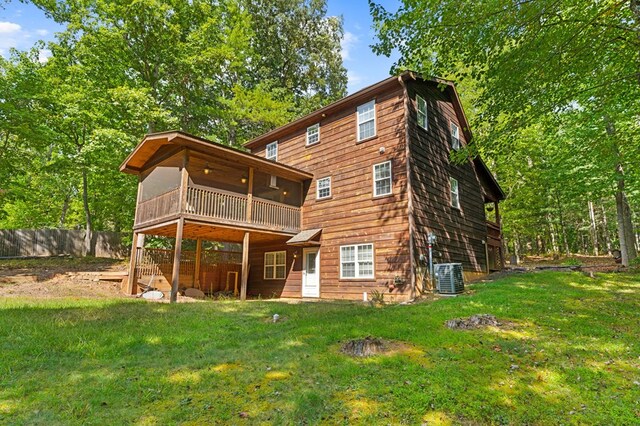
(275, 265)
(323, 188)
(455, 137)
(271, 152)
(382, 179)
(367, 120)
(313, 134)
(356, 261)
(455, 193)
(422, 112)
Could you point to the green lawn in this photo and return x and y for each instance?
(572, 357)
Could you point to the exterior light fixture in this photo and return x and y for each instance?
(243, 180)
(285, 192)
(207, 169)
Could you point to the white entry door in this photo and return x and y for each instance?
(311, 273)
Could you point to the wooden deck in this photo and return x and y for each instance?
(219, 206)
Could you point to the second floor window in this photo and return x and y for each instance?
(455, 137)
(422, 112)
(324, 188)
(382, 179)
(313, 134)
(367, 120)
(271, 153)
(455, 193)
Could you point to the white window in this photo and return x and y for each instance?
(367, 120)
(273, 182)
(382, 179)
(272, 151)
(356, 261)
(323, 188)
(455, 137)
(422, 112)
(313, 134)
(275, 265)
(455, 194)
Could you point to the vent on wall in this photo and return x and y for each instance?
(449, 278)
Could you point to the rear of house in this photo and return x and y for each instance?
(336, 205)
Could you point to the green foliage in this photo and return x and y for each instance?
(571, 261)
(122, 69)
(572, 340)
(376, 298)
(553, 94)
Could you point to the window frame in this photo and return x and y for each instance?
(454, 195)
(358, 122)
(275, 265)
(424, 125)
(375, 194)
(318, 197)
(266, 151)
(456, 144)
(317, 127)
(356, 262)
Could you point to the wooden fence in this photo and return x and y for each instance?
(56, 242)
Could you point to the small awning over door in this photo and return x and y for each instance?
(309, 237)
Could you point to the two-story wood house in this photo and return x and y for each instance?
(333, 205)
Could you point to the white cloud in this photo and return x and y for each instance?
(349, 40)
(354, 81)
(9, 27)
(44, 55)
(42, 33)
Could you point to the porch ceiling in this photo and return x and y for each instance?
(193, 231)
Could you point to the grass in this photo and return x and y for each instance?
(573, 357)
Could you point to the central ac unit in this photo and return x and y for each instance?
(449, 278)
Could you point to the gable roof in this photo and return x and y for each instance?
(356, 98)
(154, 142)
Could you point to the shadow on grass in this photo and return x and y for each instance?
(571, 358)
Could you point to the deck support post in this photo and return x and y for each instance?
(250, 196)
(131, 278)
(177, 253)
(245, 266)
(196, 273)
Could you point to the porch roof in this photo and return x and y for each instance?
(305, 237)
(153, 142)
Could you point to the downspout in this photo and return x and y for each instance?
(409, 188)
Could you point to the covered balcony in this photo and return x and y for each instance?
(191, 188)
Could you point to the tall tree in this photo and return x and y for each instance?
(532, 60)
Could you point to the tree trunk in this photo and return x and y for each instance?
(605, 230)
(65, 208)
(594, 229)
(90, 249)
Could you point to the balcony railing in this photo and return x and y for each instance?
(159, 207)
(222, 206)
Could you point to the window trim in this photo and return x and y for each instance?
(356, 262)
(317, 125)
(266, 151)
(454, 195)
(275, 265)
(358, 123)
(375, 194)
(456, 138)
(425, 112)
(318, 197)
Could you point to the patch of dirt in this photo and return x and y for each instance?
(473, 322)
(368, 346)
(53, 281)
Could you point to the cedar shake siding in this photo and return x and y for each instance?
(460, 232)
(351, 215)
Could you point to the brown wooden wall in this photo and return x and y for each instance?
(351, 215)
(289, 287)
(460, 232)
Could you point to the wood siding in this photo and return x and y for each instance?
(352, 215)
(460, 232)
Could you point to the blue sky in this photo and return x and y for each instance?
(21, 25)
